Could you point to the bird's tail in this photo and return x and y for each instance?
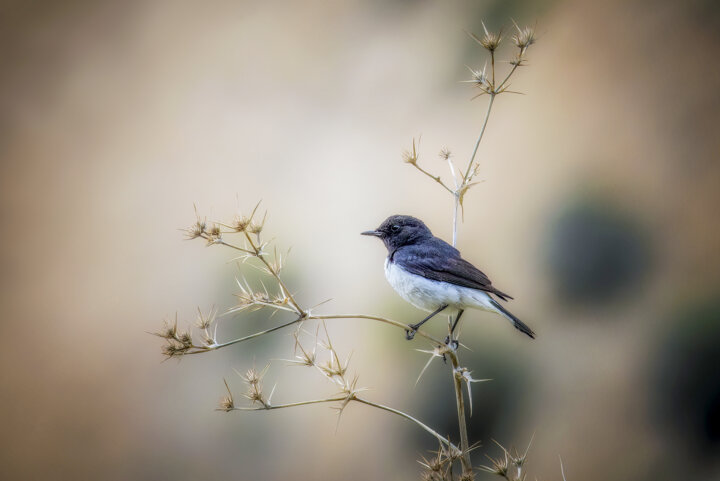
(519, 325)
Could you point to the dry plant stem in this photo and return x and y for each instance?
(492, 63)
(466, 177)
(270, 407)
(379, 319)
(257, 334)
(480, 137)
(462, 422)
(436, 178)
(304, 317)
(257, 252)
(512, 70)
(456, 207)
(410, 418)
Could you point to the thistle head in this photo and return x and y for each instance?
(490, 40)
(524, 37)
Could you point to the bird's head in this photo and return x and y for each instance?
(400, 230)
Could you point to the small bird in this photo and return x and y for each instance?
(430, 274)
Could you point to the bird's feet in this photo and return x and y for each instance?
(410, 333)
(452, 343)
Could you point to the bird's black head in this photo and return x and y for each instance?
(400, 230)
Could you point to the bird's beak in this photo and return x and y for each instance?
(372, 233)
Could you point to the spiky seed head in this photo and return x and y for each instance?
(255, 394)
(445, 153)
(500, 465)
(524, 38)
(491, 41)
(241, 223)
(307, 358)
(196, 230)
(409, 157)
(173, 349)
(185, 338)
(478, 77)
(227, 404)
(215, 231)
(254, 228)
(168, 331)
(204, 322)
(252, 376)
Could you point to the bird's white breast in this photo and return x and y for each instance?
(428, 295)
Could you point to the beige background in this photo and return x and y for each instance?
(117, 117)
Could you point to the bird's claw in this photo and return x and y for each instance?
(452, 343)
(410, 334)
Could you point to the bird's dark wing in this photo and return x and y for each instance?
(439, 261)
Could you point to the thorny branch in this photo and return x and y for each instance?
(181, 343)
(488, 86)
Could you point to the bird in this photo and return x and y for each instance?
(431, 274)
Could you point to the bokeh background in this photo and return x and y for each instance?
(598, 212)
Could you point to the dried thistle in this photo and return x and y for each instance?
(185, 338)
(255, 394)
(204, 322)
(255, 228)
(499, 466)
(306, 357)
(479, 78)
(524, 37)
(490, 41)
(169, 330)
(173, 349)
(411, 156)
(227, 403)
(196, 230)
(253, 377)
(240, 223)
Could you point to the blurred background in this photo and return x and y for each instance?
(598, 213)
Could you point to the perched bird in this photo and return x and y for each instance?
(430, 274)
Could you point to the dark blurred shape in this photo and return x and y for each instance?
(597, 252)
(686, 376)
(703, 12)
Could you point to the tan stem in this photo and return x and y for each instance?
(410, 418)
(436, 178)
(480, 137)
(462, 422)
(379, 319)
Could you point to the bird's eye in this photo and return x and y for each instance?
(395, 228)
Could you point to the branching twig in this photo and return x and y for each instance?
(488, 86)
(181, 343)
